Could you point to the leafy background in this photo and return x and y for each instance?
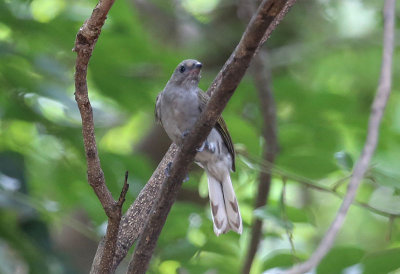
(325, 60)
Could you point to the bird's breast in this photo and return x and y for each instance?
(179, 112)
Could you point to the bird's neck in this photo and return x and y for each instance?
(188, 86)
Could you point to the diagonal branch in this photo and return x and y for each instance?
(84, 44)
(278, 10)
(223, 87)
(378, 107)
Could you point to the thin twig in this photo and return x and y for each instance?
(339, 183)
(361, 167)
(223, 87)
(84, 44)
(124, 190)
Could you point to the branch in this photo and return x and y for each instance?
(223, 88)
(262, 80)
(361, 167)
(278, 10)
(84, 44)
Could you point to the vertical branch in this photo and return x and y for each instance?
(269, 132)
(262, 79)
(378, 107)
(85, 42)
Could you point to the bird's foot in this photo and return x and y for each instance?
(185, 134)
(210, 147)
(200, 149)
(168, 169)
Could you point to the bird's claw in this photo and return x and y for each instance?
(208, 146)
(185, 133)
(200, 149)
(168, 169)
(186, 178)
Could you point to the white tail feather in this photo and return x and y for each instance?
(224, 206)
(217, 204)
(231, 206)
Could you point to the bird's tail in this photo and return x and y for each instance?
(224, 206)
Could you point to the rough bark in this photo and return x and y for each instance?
(132, 223)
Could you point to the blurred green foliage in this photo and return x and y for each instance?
(325, 62)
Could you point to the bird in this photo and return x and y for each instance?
(177, 109)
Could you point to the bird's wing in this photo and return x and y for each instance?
(220, 125)
(157, 110)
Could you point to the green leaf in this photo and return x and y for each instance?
(340, 258)
(382, 262)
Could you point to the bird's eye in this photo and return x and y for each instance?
(182, 69)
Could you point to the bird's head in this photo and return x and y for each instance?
(187, 73)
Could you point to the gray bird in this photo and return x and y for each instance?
(178, 107)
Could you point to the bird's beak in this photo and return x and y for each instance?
(196, 67)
